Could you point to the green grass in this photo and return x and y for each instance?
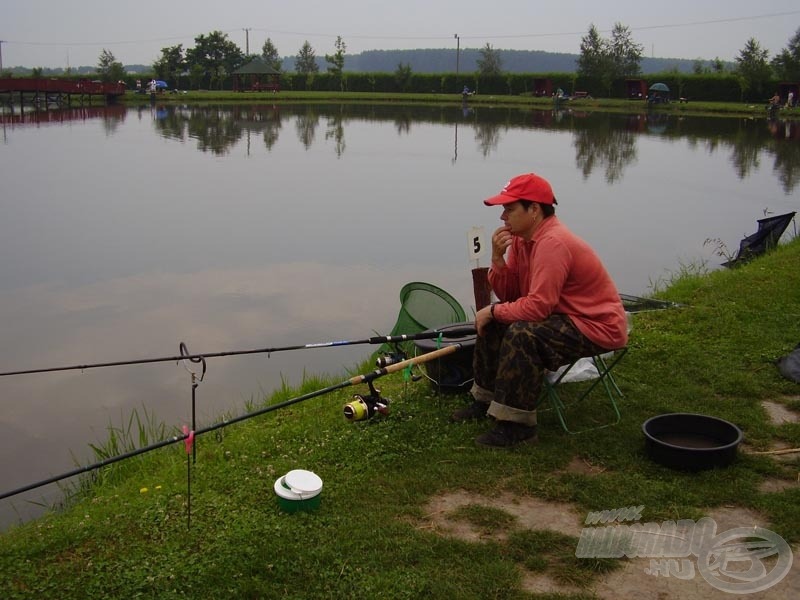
(489, 100)
(371, 536)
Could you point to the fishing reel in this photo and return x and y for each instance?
(362, 408)
(390, 358)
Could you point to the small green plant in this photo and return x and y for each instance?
(720, 248)
(487, 519)
(137, 432)
(684, 272)
(140, 429)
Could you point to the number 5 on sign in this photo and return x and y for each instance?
(476, 243)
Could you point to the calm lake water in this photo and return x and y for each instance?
(125, 232)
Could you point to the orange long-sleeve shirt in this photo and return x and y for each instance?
(558, 272)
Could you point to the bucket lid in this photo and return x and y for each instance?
(282, 491)
(305, 483)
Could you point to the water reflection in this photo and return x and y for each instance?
(786, 149)
(487, 137)
(603, 145)
(335, 132)
(32, 116)
(746, 150)
(402, 122)
(306, 125)
(603, 142)
(110, 116)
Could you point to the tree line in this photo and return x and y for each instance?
(608, 60)
(210, 63)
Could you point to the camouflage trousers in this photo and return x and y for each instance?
(510, 362)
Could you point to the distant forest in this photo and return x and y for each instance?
(513, 61)
(442, 61)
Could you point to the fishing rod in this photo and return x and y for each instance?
(185, 355)
(188, 436)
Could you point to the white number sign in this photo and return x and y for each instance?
(476, 243)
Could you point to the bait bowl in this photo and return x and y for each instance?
(691, 442)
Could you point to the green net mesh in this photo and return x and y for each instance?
(424, 306)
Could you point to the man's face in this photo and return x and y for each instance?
(521, 221)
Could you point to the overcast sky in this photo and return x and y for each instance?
(45, 33)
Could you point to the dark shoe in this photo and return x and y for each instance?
(476, 410)
(507, 434)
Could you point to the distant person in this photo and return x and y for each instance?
(465, 93)
(557, 303)
(790, 100)
(774, 105)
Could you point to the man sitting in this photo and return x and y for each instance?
(557, 303)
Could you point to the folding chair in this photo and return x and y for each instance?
(604, 363)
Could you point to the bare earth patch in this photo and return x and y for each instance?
(780, 451)
(631, 580)
(583, 466)
(779, 413)
(773, 485)
(540, 583)
(530, 513)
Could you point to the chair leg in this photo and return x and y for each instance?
(603, 367)
(609, 385)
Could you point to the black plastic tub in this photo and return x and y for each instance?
(452, 372)
(691, 442)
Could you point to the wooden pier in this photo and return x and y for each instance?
(41, 92)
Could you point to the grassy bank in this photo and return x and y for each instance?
(602, 104)
(375, 533)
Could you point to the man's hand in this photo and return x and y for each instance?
(501, 240)
(482, 319)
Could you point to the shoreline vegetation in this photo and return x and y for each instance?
(700, 108)
(377, 533)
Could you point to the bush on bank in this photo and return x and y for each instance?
(709, 87)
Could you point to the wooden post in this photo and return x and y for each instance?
(481, 288)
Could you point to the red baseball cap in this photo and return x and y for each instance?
(528, 186)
